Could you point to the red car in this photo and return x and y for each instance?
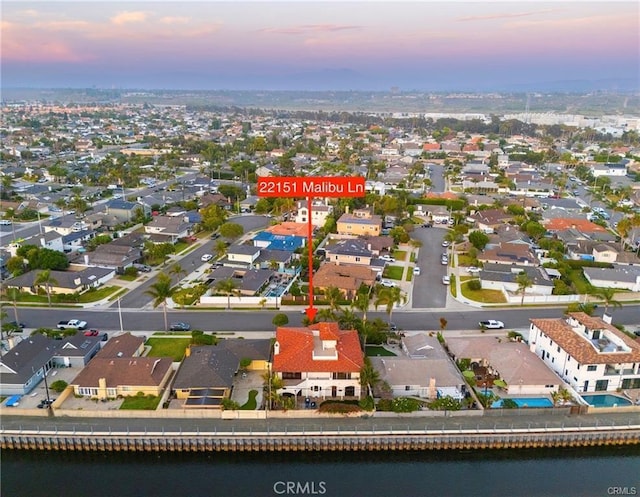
(91, 333)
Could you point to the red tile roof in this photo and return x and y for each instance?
(296, 347)
(578, 347)
(560, 224)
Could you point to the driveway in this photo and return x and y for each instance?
(428, 290)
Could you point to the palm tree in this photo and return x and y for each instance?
(161, 290)
(348, 320)
(221, 248)
(389, 297)
(45, 279)
(325, 314)
(177, 270)
(607, 295)
(361, 303)
(13, 294)
(369, 376)
(228, 287)
(453, 237)
(333, 295)
(524, 281)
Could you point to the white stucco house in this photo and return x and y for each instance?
(586, 352)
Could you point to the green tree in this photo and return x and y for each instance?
(524, 281)
(362, 302)
(221, 249)
(280, 319)
(369, 376)
(45, 279)
(160, 291)
(478, 239)
(227, 287)
(389, 297)
(333, 296)
(231, 230)
(213, 217)
(608, 296)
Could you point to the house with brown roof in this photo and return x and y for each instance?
(163, 229)
(318, 361)
(509, 253)
(119, 370)
(588, 353)
(511, 361)
(348, 278)
(489, 219)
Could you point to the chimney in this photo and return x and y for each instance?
(86, 259)
(346, 209)
(276, 348)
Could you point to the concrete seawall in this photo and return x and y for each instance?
(319, 441)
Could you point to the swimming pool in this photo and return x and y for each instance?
(606, 400)
(525, 402)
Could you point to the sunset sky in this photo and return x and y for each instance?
(362, 45)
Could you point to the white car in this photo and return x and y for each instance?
(491, 324)
(446, 280)
(473, 269)
(387, 258)
(445, 243)
(387, 283)
(416, 271)
(206, 257)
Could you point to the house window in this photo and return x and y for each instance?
(350, 391)
(291, 376)
(592, 368)
(601, 385)
(558, 349)
(407, 388)
(341, 376)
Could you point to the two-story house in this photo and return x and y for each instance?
(319, 212)
(588, 353)
(362, 222)
(318, 361)
(349, 251)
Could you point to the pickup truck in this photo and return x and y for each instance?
(72, 324)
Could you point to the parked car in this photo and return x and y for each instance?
(427, 225)
(416, 271)
(446, 280)
(91, 333)
(491, 324)
(180, 326)
(387, 258)
(143, 267)
(445, 243)
(444, 261)
(393, 327)
(44, 403)
(473, 269)
(206, 257)
(387, 283)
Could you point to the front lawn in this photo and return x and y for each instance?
(393, 272)
(400, 255)
(141, 402)
(377, 350)
(483, 296)
(579, 282)
(95, 294)
(128, 277)
(251, 404)
(168, 347)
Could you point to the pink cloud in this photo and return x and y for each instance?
(127, 17)
(175, 20)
